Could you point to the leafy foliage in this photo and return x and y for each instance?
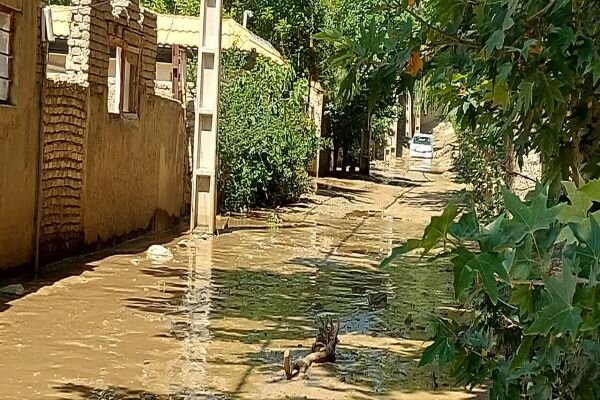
(287, 24)
(534, 297)
(527, 73)
(266, 140)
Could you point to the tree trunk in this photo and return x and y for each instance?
(509, 162)
(345, 155)
(365, 149)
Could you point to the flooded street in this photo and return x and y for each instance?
(213, 322)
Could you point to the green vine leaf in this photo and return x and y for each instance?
(410, 245)
(580, 204)
(437, 230)
(491, 235)
(488, 266)
(560, 316)
(441, 348)
(528, 219)
(467, 227)
(587, 251)
(463, 274)
(522, 296)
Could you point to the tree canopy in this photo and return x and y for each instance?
(525, 72)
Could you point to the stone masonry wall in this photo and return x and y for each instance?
(107, 176)
(65, 118)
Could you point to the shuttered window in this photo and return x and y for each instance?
(5, 54)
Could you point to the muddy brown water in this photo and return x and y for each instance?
(213, 323)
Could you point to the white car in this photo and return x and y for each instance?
(421, 146)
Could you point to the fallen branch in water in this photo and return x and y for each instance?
(323, 350)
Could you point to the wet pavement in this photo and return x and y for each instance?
(213, 322)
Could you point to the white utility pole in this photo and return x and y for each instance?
(204, 177)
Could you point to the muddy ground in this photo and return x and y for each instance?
(213, 322)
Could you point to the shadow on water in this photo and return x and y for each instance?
(77, 266)
(213, 323)
(268, 288)
(121, 393)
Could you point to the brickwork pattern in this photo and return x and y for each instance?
(79, 133)
(65, 116)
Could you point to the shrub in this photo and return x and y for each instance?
(266, 139)
(531, 282)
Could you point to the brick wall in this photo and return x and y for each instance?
(108, 176)
(65, 116)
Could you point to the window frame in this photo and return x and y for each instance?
(127, 85)
(11, 34)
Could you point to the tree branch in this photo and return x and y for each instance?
(520, 175)
(542, 11)
(429, 25)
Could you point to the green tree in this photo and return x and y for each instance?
(516, 77)
(525, 72)
(530, 279)
(266, 140)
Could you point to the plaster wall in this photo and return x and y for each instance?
(19, 140)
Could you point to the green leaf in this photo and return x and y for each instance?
(587, 251)
(528, 219)
(467, 227)
(523, 353)
(442, 348)
(504, 71)
(501, 95)
(330, 35)
(523, 265)
(522, 296)
(560, 316)
(496, 41)
(592, 189)
(508, 22)
(491, 236)
(526, 94)
(463, 274)
(590, 301)
(595, 68)
(410, 245)
(566, 38)
(488, 266)
(581, 203)
(438, 229)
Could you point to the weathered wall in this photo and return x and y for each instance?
(65, 123)
(19, 136)
(132, 166)
(135, 174)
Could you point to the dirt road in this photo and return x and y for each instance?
(213, 322)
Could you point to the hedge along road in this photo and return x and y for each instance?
(214, 321)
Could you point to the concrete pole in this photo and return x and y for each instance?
(204, 177)
(409, 115)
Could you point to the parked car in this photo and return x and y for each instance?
(421, 146)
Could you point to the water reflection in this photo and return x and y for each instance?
(213, 322)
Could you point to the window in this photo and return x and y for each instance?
(124, 95)
(422, 140)
(5, 54)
